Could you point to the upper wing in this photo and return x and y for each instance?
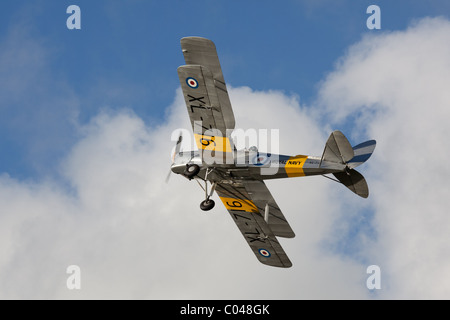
(202, 52)
(246, 204)
(207, 100)
(210, 131)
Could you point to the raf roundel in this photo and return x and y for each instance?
(191, 82)
(264, 253)
(260, 160)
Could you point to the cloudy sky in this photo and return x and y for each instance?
(86, 123)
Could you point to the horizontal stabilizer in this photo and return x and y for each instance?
(337, 149)
(362, 151)
(355, 181)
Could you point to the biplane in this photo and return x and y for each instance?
(237, 175)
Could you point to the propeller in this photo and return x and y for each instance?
(177, 150)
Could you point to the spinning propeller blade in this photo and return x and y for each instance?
(177, 150)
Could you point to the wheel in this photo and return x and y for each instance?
(191, 170)
(207, 204)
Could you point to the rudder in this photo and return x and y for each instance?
(337, 149)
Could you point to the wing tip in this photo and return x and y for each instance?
(278, 260)
(196, 40)
(285, 265)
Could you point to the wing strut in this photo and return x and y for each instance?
(266, 213)
(208, 203)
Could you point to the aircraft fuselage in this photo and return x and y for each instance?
(257, 165)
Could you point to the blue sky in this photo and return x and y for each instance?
(127, 52)
(86, 118)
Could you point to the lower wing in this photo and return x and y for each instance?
(256, 221)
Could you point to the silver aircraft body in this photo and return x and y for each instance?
(237, 176)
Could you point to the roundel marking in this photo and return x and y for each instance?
(191, 82)
(264, 253)
(260, 160)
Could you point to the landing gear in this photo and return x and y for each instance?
(207, 204)
(348, 171)
(191, 170)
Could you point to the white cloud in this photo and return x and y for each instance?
(396, 85)
(136, 237)
(133, 236)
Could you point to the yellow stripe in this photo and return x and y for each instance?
(294, 166)
(239, 204)
(212, 143)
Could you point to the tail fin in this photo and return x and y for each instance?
(338, 150)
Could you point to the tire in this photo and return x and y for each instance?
(191, 170)
(207, 205)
